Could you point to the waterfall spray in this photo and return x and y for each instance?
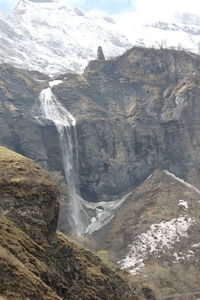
(66, 127)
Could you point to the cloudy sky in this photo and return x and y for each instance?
(120, 6)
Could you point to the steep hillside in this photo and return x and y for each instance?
(35, 261)
(154, 234)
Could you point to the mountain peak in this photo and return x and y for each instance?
(23, 5)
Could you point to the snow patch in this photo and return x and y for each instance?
(148, 178)
(196, 245)
(182, 181)
(104, 212)
(183, 256)
(183, 203)
(54, 83)
(158, 239)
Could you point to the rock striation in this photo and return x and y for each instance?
(35, 261)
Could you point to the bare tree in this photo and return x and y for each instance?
(162, 44)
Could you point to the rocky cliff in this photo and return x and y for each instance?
(35, 261)
(134, 114)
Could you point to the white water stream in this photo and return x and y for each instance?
(66, 127)
(103, 212)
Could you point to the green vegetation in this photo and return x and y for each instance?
(105, 257)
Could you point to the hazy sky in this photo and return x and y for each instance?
(119, 6)
(109, 6)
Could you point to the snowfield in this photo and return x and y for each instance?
(54, 38)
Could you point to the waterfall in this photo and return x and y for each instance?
(66, 127)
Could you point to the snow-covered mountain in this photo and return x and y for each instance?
(52, 37)
(180, 31)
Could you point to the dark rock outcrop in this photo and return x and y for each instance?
(35, 261)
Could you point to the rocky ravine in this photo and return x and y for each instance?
(35, 261)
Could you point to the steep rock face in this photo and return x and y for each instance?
(136, 113)
(19, 91)
(37, 263)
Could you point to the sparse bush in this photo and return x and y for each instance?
(107, 257)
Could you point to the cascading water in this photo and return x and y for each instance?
(66, 127)
(65, 123)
